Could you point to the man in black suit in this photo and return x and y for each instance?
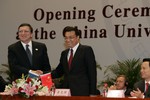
(3, 83)
(121, 84)
(141, 89)
(18, 59)
(81, 76)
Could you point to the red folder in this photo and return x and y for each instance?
(46, 80)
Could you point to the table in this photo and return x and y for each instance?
(17, 97)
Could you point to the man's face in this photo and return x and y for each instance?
(120, 83)
(71, 39)
(25, 34)
(145, 70)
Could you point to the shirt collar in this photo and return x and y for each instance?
(147, 82)
(24, 45)
(75, 47)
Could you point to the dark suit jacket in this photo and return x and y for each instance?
(3, 83)
(19, 62)
(141, 86)
(81, 78)
(127, 92)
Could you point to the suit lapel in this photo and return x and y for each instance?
(22, 52)
(35, 51)
(75, 57)
(66, 60)
(143, 86)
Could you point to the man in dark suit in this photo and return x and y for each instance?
(142, 88)
(19, 61)
(121, 84)
(81, 76)
(3, 83)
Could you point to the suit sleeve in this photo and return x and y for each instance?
(140, 85)
(59, 71)
(92, 73)
(14, 65)
(46, 63)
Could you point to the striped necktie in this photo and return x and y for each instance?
(29, 54)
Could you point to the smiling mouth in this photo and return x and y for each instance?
(69, 43)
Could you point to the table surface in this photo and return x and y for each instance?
(17, 97)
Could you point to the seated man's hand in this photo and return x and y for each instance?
(137, 93)
(112, 87)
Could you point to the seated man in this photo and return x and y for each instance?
(142, 87)
(121, 84)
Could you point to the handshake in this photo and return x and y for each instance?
(46, 78)
(35, 73)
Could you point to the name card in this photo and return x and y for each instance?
(62, 92)
(116, 93)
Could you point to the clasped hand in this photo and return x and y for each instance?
(39, 72)
(137, 93)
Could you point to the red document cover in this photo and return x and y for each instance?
(46, 80)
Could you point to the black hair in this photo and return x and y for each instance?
(70, 28)
(147, 60)
(26, 24)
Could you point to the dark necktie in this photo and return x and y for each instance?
(147, 85)
(29, 54)
(70, 58)
(147, 92)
